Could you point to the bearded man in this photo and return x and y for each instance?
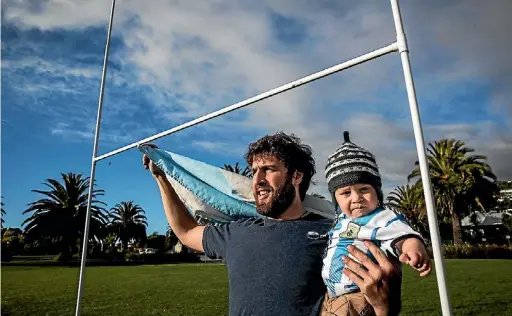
(274, 263)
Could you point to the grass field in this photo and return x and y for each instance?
(478, 287)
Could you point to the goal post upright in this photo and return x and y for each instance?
(422, 158)
(399, 46)
(85, 241)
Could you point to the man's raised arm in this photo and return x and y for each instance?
(181, 221)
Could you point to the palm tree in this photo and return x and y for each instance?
(59, 217)
(109, 241)
(461, 182)
(408, 201)
(246, 172)
(128, 222)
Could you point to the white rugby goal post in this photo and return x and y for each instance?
(400, 46)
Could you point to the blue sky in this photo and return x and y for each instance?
(171, 62)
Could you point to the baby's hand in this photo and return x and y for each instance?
(417, 259)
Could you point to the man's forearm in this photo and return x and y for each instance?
(179, 218)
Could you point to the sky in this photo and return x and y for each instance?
(173, 61)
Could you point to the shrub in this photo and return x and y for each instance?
(112, 256)
(467, 251)
(6, 254)
(132, 256)
(498, 252)
(62, 257)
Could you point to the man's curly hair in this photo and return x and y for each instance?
(290, 151)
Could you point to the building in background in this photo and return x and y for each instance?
(492, 227)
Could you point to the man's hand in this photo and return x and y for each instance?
(148, 164)
(181, 222)
(415, 255)
(372, 279)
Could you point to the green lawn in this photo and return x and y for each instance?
(478, 287)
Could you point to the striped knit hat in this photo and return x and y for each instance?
(351, 164)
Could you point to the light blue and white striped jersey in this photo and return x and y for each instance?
(383, 226)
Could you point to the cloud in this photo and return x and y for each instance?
(67, 97)
(222, 148)
(178, 60)
(125, 133)
(474, 40)
(51, 14)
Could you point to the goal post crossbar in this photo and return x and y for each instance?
(265, 95)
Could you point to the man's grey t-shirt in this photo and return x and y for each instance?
(274, 266)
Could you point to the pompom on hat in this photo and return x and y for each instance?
(351, 164)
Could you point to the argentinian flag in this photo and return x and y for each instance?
(215, 193)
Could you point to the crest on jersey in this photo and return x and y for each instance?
(351, 231)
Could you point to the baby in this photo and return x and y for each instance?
(354, 182)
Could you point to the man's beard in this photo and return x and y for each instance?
(282, 198)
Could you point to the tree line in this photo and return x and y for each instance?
(463, 182)
(55, 223)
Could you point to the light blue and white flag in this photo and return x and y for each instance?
(215, 193)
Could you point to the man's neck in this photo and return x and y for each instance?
(295, 211)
